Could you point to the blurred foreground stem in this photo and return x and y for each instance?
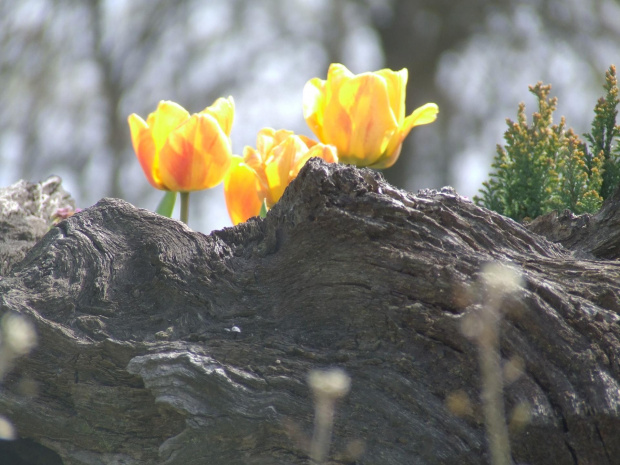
(493, 382)
(327, 387)
(483, 327)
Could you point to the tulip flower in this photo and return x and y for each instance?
(363, 115)
(261, 175)
(180, 152)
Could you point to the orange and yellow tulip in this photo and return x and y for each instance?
(262, 174)
(183, 153)
(363, 115)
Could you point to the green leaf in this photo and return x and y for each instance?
(166, 205)
(263, 209)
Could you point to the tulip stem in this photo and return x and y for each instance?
(184, 207)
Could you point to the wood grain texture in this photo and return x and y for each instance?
(137, 362)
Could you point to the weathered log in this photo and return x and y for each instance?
(26, 214)
(139, 361)
(588, 236)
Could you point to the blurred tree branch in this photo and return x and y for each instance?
(417, 33)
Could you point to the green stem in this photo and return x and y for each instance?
(184, 207)
(263, 209)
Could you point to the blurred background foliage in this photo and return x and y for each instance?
(71, 71)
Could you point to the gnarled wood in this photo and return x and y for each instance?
(589, 236)
(137, 362)
(26, 213)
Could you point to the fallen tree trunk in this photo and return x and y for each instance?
(158, 344)
(26, 213)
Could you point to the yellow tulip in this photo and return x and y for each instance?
(363, 115)
(183, 153)
(263, 173)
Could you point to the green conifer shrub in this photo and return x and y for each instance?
(545, 166)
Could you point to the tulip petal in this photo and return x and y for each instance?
(322, 109)
(263, 174)
(337, 73)
(397, 89)
(266, 140)
(252, 157)
(196, 155)
(314, 105)
(362, 115)
(241, 192)
(281, 135)
(282, 169)
(307, 141)
(223, 110)
(168, 116)
(423, 115)
(337, 124)
(144, 147)
(389, 158)
(326, 152)
(371, 121)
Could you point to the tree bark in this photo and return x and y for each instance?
(158, 344)
(26, 214)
